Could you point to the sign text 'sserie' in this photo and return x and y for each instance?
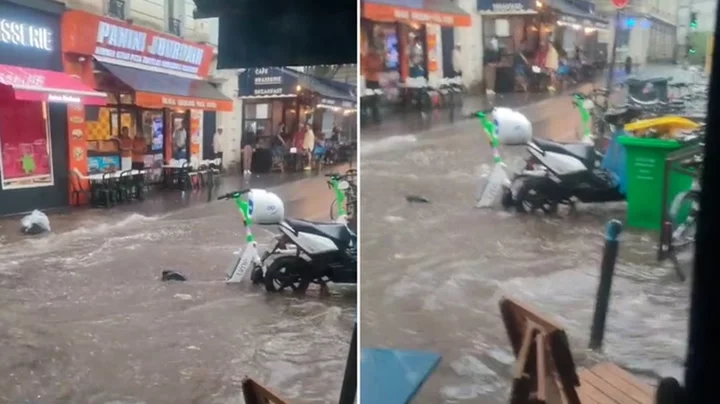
(25, 35)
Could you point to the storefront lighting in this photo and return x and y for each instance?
(577, 27)
(589, 30)
(298, 88)
(538, 4)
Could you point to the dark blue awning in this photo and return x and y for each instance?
(161, 83)
(578, 12)
(330, 92)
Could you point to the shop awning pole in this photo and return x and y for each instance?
(611, 70)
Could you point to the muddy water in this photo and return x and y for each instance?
(86, 319)
(432, 274)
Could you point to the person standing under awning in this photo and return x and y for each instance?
(457, 61)
(126, 149)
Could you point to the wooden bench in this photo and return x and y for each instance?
(255, 393)
(545, 372)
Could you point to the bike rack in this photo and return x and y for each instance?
(673, 162)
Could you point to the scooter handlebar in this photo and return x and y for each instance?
(234, 194)
(485, 111)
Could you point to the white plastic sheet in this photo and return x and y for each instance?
(35, 223)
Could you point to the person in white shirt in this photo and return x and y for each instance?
(308, 146)
(217, 145)
(457, 61)
(179, 142)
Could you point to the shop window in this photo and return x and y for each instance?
(152, 128)
(175, 12)
(117, 8)
(25, 148)
(623, 37)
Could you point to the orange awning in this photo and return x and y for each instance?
(153, 101)
(423, 12)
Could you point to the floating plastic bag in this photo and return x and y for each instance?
(513, 128)
(614, 162)
(35, 223)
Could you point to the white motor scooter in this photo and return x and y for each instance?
(261, 207)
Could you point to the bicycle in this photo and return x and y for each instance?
(344, 206)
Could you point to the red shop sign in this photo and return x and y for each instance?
(112, 40)
(620, 4)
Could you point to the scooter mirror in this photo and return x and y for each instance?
(343, 185)
(588, 104)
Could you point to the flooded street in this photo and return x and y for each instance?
(433, 274)
(86, 318)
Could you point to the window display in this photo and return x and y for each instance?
(25, 145)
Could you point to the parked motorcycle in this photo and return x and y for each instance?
(566, 173)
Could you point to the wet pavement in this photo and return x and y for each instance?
(86, 319)
(433, 274)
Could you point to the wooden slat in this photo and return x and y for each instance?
(590, 395)
(621, 380)
(613, 393)
(627, 376)
(255, 393)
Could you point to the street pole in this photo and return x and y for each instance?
(611, 70)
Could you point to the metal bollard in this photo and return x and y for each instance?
(607, 270)
(349, 385)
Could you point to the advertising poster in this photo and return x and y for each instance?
(153, 168)
(195, 130)
(78, 143)
(25, 151)
(103, 164)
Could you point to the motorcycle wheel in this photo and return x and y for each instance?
(530, 198)
(333, 209)
(507, 199)
(256, 276)
(290, 272)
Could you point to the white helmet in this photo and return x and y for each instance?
(512, 127)
(265, 207)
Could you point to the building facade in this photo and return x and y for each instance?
(647, 30)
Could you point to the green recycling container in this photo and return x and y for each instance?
(645, 167)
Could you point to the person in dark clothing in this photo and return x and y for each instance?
(628, 65)
(248, 143)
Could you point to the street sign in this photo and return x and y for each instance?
(620, 4)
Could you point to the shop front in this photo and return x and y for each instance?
(526, 25)
(36, 98)
(402, 40)
(275, 98)
(157, 94)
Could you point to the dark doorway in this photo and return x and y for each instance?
(209, 128)
(447, 37)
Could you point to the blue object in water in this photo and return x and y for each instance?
(614, 161)
(391, 376)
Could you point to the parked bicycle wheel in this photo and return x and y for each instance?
(684, 228)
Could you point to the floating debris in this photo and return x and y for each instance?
(416, 199)
(173, 276)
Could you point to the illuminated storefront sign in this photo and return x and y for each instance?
(25, 35)
(132, 45)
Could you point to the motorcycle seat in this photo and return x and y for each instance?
(582, 151)
(337, 232)
(622, 114)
